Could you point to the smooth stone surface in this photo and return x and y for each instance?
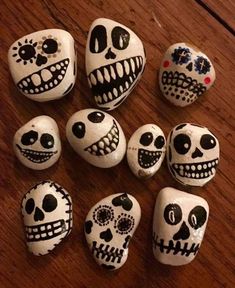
(115, 60)
(37, 144)
(179, 224)
(97, 137)
(109, 227)
(193, 154)
(43, 64)
(47, 216)
(146, 150)
(185, 74)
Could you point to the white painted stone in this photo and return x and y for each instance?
(43, 64)
(115, 60)
(179, 224)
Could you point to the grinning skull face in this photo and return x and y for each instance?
(179, 224)
(97, 137)
(37, 144)
(109, 226)
(185, 74)
(192, 154)
(47, 217)
(146, 150)
(115, 61)
(43, 64)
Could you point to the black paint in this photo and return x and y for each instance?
(181, 56)
(179, 127)
(183, 232)
(50, 46)
(159, 142)
(107, 253)
(96, 117)
(207, 141)
(147, 158)
(197, 153)
(38, 215)
(197, 217)
(146, 139)
(79, 129)
(120, 38)
(98, 40)
(127, 241)
(124, 201)
(182, 143)
(29, 206)
(88, 226)
(103, 214)
(47, 141)
(172, 214)
(106, 235)
(41, 60)
(49, 203)
(29, 138)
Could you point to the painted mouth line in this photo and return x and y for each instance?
(175, 247)
(180, 80)
(106, 144)
(45, 231)
(44, 79)
(107, 253)
(111, 81)
(36, 156)
(147, 159)
(196, 170)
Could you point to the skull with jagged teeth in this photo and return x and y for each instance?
(115, 60)
(192, 154)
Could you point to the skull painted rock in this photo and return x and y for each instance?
(146, 150)
(47, 216)
(185, 74)
(179, 224)
(109, 226)
(37, 144)
(43, 64)
(192, 154)
(115, 60)
(97, 137)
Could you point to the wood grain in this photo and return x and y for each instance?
(159, 24)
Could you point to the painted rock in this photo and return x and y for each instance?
(37, 144)
(146, 150)
(97, 137)
(185, 74)
(47, 217)
(109, 226)
(179, 224)
(115, 60)
(43, 64)
(192, 154)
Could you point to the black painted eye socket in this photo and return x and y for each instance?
(124, 224)
(47, 140)
(146, 139)
(173, 214)
(207, 141)
(202, 65)
(181, 55)
(27, 51)
(120, 38)
(103, 214)
(79, 129)
(96, 117)
(50, 46)
(182, 143)
(49, 203)
(98, 41)
(29, 138)
(197, 217)
(29, 206)
(159, 142)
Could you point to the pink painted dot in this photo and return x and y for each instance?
(207, 80)
(166, 63)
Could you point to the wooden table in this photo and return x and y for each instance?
(160, 23)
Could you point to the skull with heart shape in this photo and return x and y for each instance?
(47, 216)
(115, 60)
(109, 226)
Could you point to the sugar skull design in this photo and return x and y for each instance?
(37, 144)
(47, 217)
(115, 60)
(146, 150)
(185, 74)
(43, 64)
(109, 227)
(192, 154)
(179, 224)
(97, 137)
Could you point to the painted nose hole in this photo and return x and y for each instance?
(183, 233)
(38, 215)
(197, 153)
(110, 54)
(190, 66)
(41, 60)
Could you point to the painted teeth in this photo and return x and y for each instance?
(147, 158)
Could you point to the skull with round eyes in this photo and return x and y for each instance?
(192, 154)
(185, 74)
(115, 60)
(109, 226)
(146, 150)
(37, 144)
(47, 216)
(43, 64)
(97, 137)
(179, 224)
